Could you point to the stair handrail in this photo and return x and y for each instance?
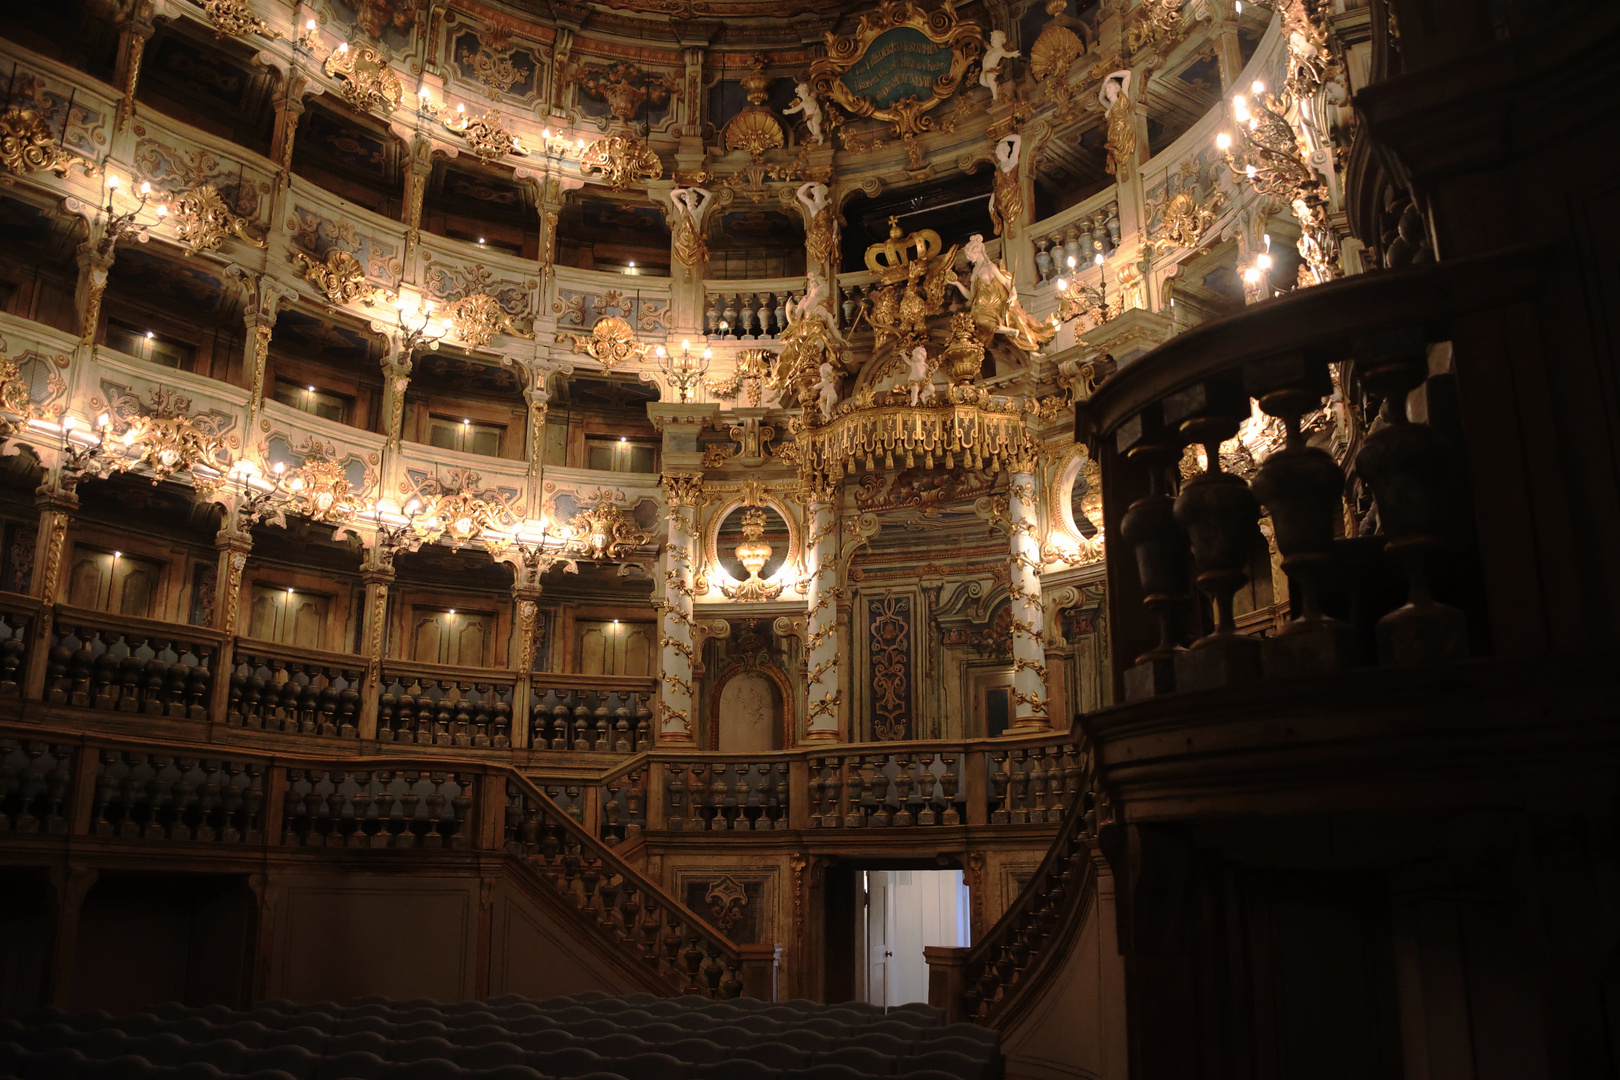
(1009, 958)
(680, 946)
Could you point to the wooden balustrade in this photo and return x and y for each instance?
(301, 692)
(125, 664)
(726, 795)
(34, 779)
(877, 788)
(378, 808)
(624, 805)
(604, 713)
(692, 956)
(439, 706)
(18, 616)
(1389, 577)
(165, 797)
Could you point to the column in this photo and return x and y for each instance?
(265, 297)
(822, 647)
(1024, 583)
(233, 543)
(94, 265)
(377, 574)
(520, 657)
(552, 195)
(289, 105)
(134, 32)
(417, 171)
(57, 502)
(682, 494)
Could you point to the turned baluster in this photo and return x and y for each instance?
(612, 831)
(948, 785)
(675, 793)
(621, 730)
(882, 817)
(834, 788)
(903, 783)
(559, 725)
(1414, 487)
(1221, 516)
(101, 806)
(1037, 785)
(926, 815)
(1162, 551)
(582, 725)
(443, 715)
(433, 836)
(854, 791)
(999, 779)
(1302, 488)
(813, 791)
(360, 835)
(1018, 789)
(748, 803)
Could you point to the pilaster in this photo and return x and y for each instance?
(377, 574)
(823, 654)
(56, 503)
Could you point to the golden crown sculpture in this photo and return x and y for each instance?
(891, 259)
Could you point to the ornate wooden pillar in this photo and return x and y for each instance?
(133, 33)
(95, 262)
(377, 573)
(265, 297)
(233, 542)
(289, 105)
(417, 171)
(682, 494)
(57, 502)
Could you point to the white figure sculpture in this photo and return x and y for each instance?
(1115, 86)
(814, 289)
(806, 103)
(993, 56)
(692, 201)
(1007, 151)
(922, 387)
(827, 389)
(813, 196)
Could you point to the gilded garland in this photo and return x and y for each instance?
(366, 80)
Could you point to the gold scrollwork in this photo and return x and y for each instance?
(202, 220)
(611, 342)
(340, 277)
(27, 144)
(621, 160)
(365, 78)
(476, 319)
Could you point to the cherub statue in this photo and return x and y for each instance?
(922, 387)
(990, 65)
(806, 104)
(827, 389)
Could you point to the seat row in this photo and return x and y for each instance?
(71, 1065)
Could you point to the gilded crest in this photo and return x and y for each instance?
(611, 342)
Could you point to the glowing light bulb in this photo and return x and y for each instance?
(452, 611)
(163, 210)
(1240, 7)
(146, 188)
(1266, 237)
(68, 423)
(1099, 259)
(1258, 88)
(310, 25)
(1250, 171)
(1251, 275)
(112, 181)
(104, 421)
(312, 389)
(685, 344)
(659, 351)
(1071, 262)
(289, 590)
(412, 506)
(343, 46)
(461, 108)
(1264, 262)
(149, 335)
(623, 439)
(708, 354)
(1223, 141)
(1062, 285)
(118, 555)
(545, 133)
(465, 421)
(480, 241)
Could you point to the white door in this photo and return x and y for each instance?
(926, 907)
(879, 927)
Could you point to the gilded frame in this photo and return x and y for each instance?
(844, 51)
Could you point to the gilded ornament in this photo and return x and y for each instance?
(1055, 48)
(1155, 22)
(366, 81)
(27, 143)
(603, 532)
(340, 277)
(319, 490)
(963, 40)
(753, 553)
(165, 445)
(13, 387)
(611, 342)
(1183, 221)
(486, 136)
(202, 220)
(476, 319)
(755, 129)
(234, 18)
(461, 518)
(621, 160)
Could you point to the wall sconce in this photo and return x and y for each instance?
(685, 371)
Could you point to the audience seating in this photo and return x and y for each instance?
(586, 1037)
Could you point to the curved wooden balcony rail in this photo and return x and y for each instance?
(116, 789)
(978, 983)
(1406, 590)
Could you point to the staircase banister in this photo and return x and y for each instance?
(607, 858)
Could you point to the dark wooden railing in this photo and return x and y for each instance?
(1375, 524)
(603, 713)
(127, 790)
